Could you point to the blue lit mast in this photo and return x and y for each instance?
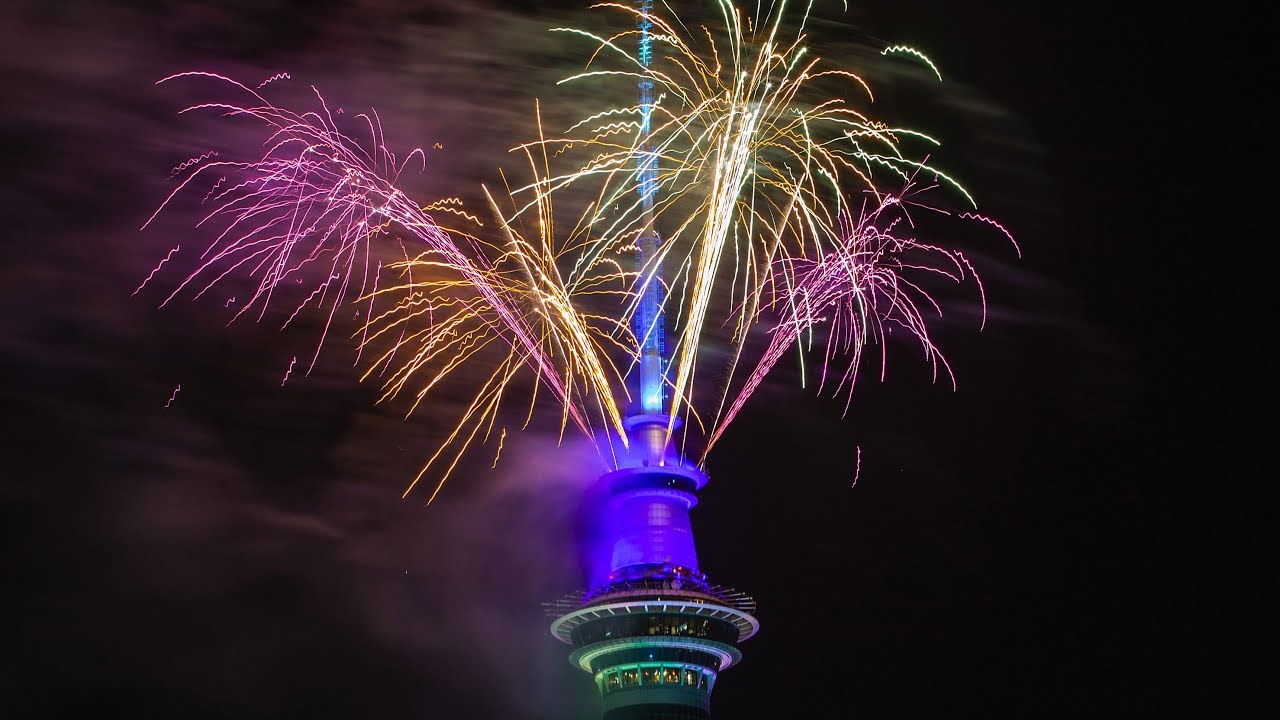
(648, 322)
(650, 628)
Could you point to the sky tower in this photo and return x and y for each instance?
(650, 627)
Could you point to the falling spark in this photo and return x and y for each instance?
(193, 161)
(155, 270)
(905, 50)
(213, 189)
(288, 370)
(273, 78)
(501, 439)
(857, 467)
(787, 210)
(174, 395)
(997, 225)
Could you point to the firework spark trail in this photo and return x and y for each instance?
(273, 78)
(997, 225)
(501, 439)
(761, 171)
(905, 50)
(292, 361)
(174, 396)
(155, 270)
(214, 188)
(193, 161)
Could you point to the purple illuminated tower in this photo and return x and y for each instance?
(650, 628)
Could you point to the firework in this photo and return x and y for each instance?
(785, 211)
(318, 197)
(786, 208)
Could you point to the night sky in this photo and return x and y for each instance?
(1076, 530)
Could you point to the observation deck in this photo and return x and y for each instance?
(650, 627)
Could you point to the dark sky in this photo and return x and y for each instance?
(1075, 530)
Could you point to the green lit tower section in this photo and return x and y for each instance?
(654, 646)
(653, 632)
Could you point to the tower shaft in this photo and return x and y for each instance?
(652, 631)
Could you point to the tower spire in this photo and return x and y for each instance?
(648, 322)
